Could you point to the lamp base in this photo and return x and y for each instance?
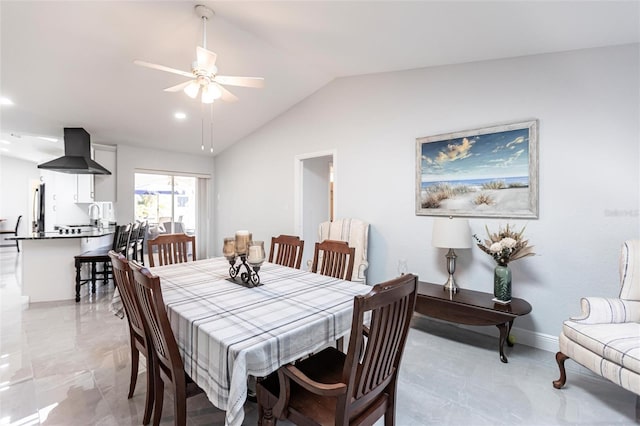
(450, 285)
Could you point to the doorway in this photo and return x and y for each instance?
(315, 196)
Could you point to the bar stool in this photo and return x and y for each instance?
(101, 255)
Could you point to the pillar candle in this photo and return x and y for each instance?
(242, 241)
(255, 255)
(229, 247)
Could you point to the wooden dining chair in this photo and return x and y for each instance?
(168, 366)
(13, 232)
(138, 335)
(286, 250)
(138, 247)
(171, 248)
(334, 259)
(100, 256)
(359, 387)
(133, 238)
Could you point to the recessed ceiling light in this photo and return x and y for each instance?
(4, 149)
(6, 101)
(44, 138)
(180, 115)
(5, 142)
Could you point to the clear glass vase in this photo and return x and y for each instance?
(502, 283)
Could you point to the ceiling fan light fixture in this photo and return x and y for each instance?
(208, 95)
(192, 89)
(214, 90)
(204, 73)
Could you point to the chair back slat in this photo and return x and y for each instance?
(334, 259)
(171, 249)
(123, 278)
(373, 363)
(286, 250)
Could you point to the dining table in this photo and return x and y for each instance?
(227, 331)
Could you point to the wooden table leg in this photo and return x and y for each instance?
(503, 336)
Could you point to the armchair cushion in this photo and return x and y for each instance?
(622, 376)
(617, 343)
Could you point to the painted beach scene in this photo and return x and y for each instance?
(480, 175)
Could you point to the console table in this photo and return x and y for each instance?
(470, 307)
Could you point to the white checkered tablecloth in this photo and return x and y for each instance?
(227, 331)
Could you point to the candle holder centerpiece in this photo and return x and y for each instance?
(251, 255)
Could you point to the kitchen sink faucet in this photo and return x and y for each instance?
(95, 218)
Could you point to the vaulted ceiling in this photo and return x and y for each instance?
(70, 64)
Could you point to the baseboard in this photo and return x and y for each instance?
(534, 339)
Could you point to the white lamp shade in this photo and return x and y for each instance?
(451, 233)
(192, 89)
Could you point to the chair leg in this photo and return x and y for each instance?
(180, 406)
(78, 267)
(560, 359)
(158, 398)
(93, 277)
(135, 359)
(148, 406)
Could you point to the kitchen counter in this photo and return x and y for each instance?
(97, 232)
(48, 267)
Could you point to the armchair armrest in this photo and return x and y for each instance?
(604, 310)
(361, 268)
(293, 373)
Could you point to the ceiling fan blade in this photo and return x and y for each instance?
(206, 59)
(227, 96)
(163, 68)
(257, 82)
(178, 87)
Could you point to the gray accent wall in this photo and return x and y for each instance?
(588, 106)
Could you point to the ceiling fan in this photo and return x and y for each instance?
(203, 75)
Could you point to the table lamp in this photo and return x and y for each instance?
(451, 233)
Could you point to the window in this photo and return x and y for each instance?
(167, 202)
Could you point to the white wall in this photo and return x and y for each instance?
(15, 192)
(315, 201)
(130, 159)
(587, 103)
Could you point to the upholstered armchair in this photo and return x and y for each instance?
(356, 233)
(606, 337)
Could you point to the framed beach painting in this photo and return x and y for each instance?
(488, 172)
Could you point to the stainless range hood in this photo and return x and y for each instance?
(77, 155)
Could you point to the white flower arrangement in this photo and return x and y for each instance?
(505, 245)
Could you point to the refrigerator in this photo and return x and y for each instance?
(38, 209)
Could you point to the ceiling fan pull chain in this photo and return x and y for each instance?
(211, 133)
(202, 126)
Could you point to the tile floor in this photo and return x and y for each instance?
(68, 364)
